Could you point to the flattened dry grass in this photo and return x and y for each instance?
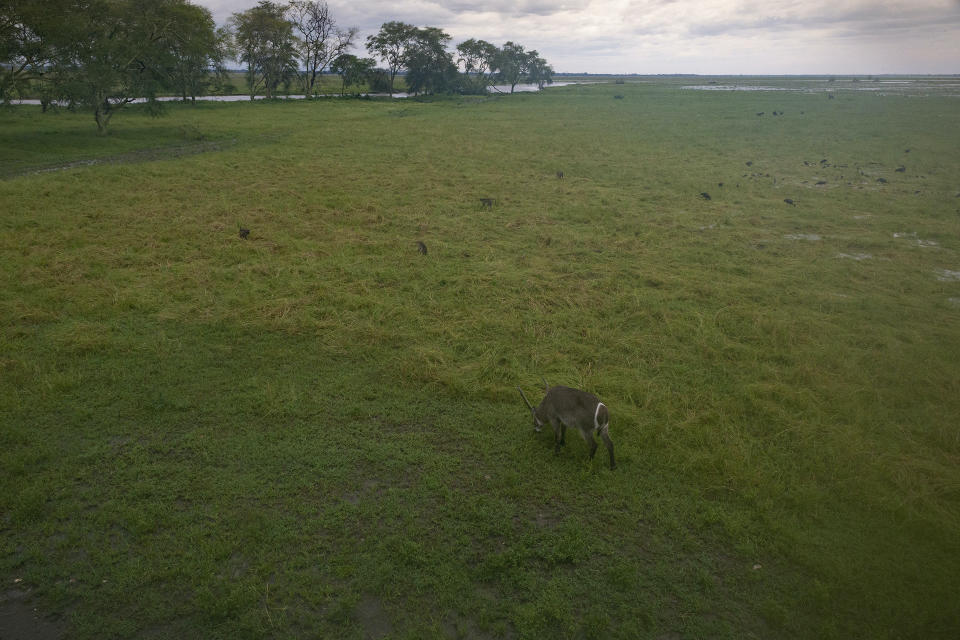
(315, 431)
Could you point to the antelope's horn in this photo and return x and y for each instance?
(525, 398)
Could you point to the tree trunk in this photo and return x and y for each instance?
(102, 113)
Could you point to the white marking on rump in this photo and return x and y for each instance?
(596, 416)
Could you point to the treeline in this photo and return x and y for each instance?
(104, 54)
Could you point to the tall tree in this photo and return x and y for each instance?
(512, 64)
(25, 46)
(430, 67)
(108, 53)
(196, 49)
(320, 39)
(104, 53)
(265, 43)
(538, 71)
(478, 58)
(390, 45)
(353, 71)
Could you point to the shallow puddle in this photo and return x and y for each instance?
(946, 275)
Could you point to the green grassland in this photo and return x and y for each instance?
(315, 432)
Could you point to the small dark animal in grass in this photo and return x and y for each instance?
(759, 113)
(704, 195)
(820, 182)
(421, 248)
(906, 150)
(790, 202)
(244, 233)
(564, 407)
(830, 96)
(720, 184)
(749, 163)
(900, 169)
(486, 203)
(882, 180)
(618, 97)
(560, 175)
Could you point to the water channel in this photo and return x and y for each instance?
(496, 89)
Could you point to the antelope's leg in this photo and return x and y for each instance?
(588, 436)
(607, 441)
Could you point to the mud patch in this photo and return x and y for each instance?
(131, 157)
(462, 628)
(20, 621)
(373, 618)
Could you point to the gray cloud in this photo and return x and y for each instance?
(847, 17)
(687, 36)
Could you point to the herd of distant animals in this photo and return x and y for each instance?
(561, 406)
(564, 407)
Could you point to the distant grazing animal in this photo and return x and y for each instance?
(790, 202)
(566, 407)
(244, 233)
(759, 113)
(486, 203)
(882, 180)
(421, 248)
(749, 163)
(704, 195)
(560, 175)
(900, 169)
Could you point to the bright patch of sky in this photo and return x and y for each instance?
(764, 37)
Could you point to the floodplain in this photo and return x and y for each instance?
(314, 431)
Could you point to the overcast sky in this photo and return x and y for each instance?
(685, 36)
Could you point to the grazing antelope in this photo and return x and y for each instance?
(421, 248)
(566, 407)
(486, 203)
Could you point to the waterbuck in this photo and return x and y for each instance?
(566, 407)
